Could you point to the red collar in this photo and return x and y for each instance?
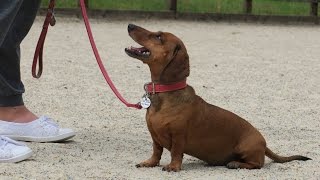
(153, 88)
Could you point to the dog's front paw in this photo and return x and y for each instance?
(172, 167)
(148, 163)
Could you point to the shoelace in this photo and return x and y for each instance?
(48, 121)
(8, 140)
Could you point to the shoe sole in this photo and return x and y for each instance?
(59, 138)
(17, 158)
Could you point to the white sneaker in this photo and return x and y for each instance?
(12, 151)
(43, 129)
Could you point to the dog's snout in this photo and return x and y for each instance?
(131, 27)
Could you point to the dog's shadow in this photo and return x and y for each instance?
(196, 164)
(192, 164)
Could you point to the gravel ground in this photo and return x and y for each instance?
(268, 74)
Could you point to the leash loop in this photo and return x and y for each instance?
(38, 54)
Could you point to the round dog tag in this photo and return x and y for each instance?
(145, 102)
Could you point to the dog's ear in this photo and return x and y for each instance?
(178, 67)
(176, 50)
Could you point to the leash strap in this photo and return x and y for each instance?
(96, 54)
(38, 54)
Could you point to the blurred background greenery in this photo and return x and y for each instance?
(261, 7)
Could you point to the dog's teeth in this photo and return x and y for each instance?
(146, 53)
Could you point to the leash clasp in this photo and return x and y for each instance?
(50, 13)
(53, 18)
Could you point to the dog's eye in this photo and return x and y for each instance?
(158, 37)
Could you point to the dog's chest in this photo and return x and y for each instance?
(158, 126)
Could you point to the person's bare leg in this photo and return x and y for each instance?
(17, 114)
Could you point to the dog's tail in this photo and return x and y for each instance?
(281, 159)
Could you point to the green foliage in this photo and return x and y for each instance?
(265, 7)
(276, 7)
(211, 6)
(61, 3)
(145, 5)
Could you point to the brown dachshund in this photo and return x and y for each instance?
(183, 122)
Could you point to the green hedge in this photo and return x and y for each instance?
(263, 7)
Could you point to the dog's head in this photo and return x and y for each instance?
(163, 52)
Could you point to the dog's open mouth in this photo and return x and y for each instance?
(141, 53)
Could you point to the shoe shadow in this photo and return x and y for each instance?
(64, 142)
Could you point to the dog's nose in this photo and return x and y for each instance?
(131, 27)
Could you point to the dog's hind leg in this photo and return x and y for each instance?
(250, 154)
(243, 165)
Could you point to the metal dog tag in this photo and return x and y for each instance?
(145, 102)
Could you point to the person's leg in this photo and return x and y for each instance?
(17, 16)
(10, 150)
(8, 11)
(16, 121)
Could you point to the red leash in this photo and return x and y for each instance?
(40, 44)
(38, 54)
(96, 54)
